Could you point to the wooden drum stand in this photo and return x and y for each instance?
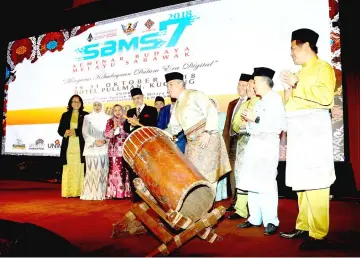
(177, 198)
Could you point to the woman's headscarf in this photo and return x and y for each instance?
(122, 119)
(98, 120)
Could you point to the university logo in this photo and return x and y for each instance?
(149, 24)
(38, 145)
(19, 144)
(54, 145)
(90, 37)
(129, 28)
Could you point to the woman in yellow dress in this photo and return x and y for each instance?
(72, 146)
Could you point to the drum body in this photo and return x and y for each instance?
(167, 173)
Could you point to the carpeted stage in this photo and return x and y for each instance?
(57, 224)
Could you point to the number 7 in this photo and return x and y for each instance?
(181, 25)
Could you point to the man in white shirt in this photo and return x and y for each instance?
(197, 116)
(258, 170)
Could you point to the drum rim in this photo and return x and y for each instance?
(129, 136)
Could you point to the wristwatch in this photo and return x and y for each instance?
(257, 119)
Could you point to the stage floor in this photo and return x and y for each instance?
(88, 225)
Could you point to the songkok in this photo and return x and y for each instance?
(305, 35)
(245, 77)
(173, 76)
(135, 92)
(263, 71)
(159, 98)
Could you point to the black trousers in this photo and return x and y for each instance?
(132, 176)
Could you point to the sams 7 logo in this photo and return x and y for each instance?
(147, 42)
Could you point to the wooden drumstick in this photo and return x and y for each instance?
(137, 123)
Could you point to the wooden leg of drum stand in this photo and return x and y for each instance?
(209, 220)
(128, 225)
(183, 223)
(172, 218)
(152, 223)
(209, 235)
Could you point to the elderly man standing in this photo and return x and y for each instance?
(310, 166)
(196, 115)
(239, 125)
(143, 114)
(258, 170)
(231, 137)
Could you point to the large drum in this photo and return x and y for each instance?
(167, 173)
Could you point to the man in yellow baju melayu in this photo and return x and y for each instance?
(239, 126)
(310, 166)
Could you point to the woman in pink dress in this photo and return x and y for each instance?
(118, 180)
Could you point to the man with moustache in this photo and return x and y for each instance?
(239, 126)
(143, 114)
(310, 171)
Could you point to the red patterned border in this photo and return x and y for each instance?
(32, 49)
(336, 44)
